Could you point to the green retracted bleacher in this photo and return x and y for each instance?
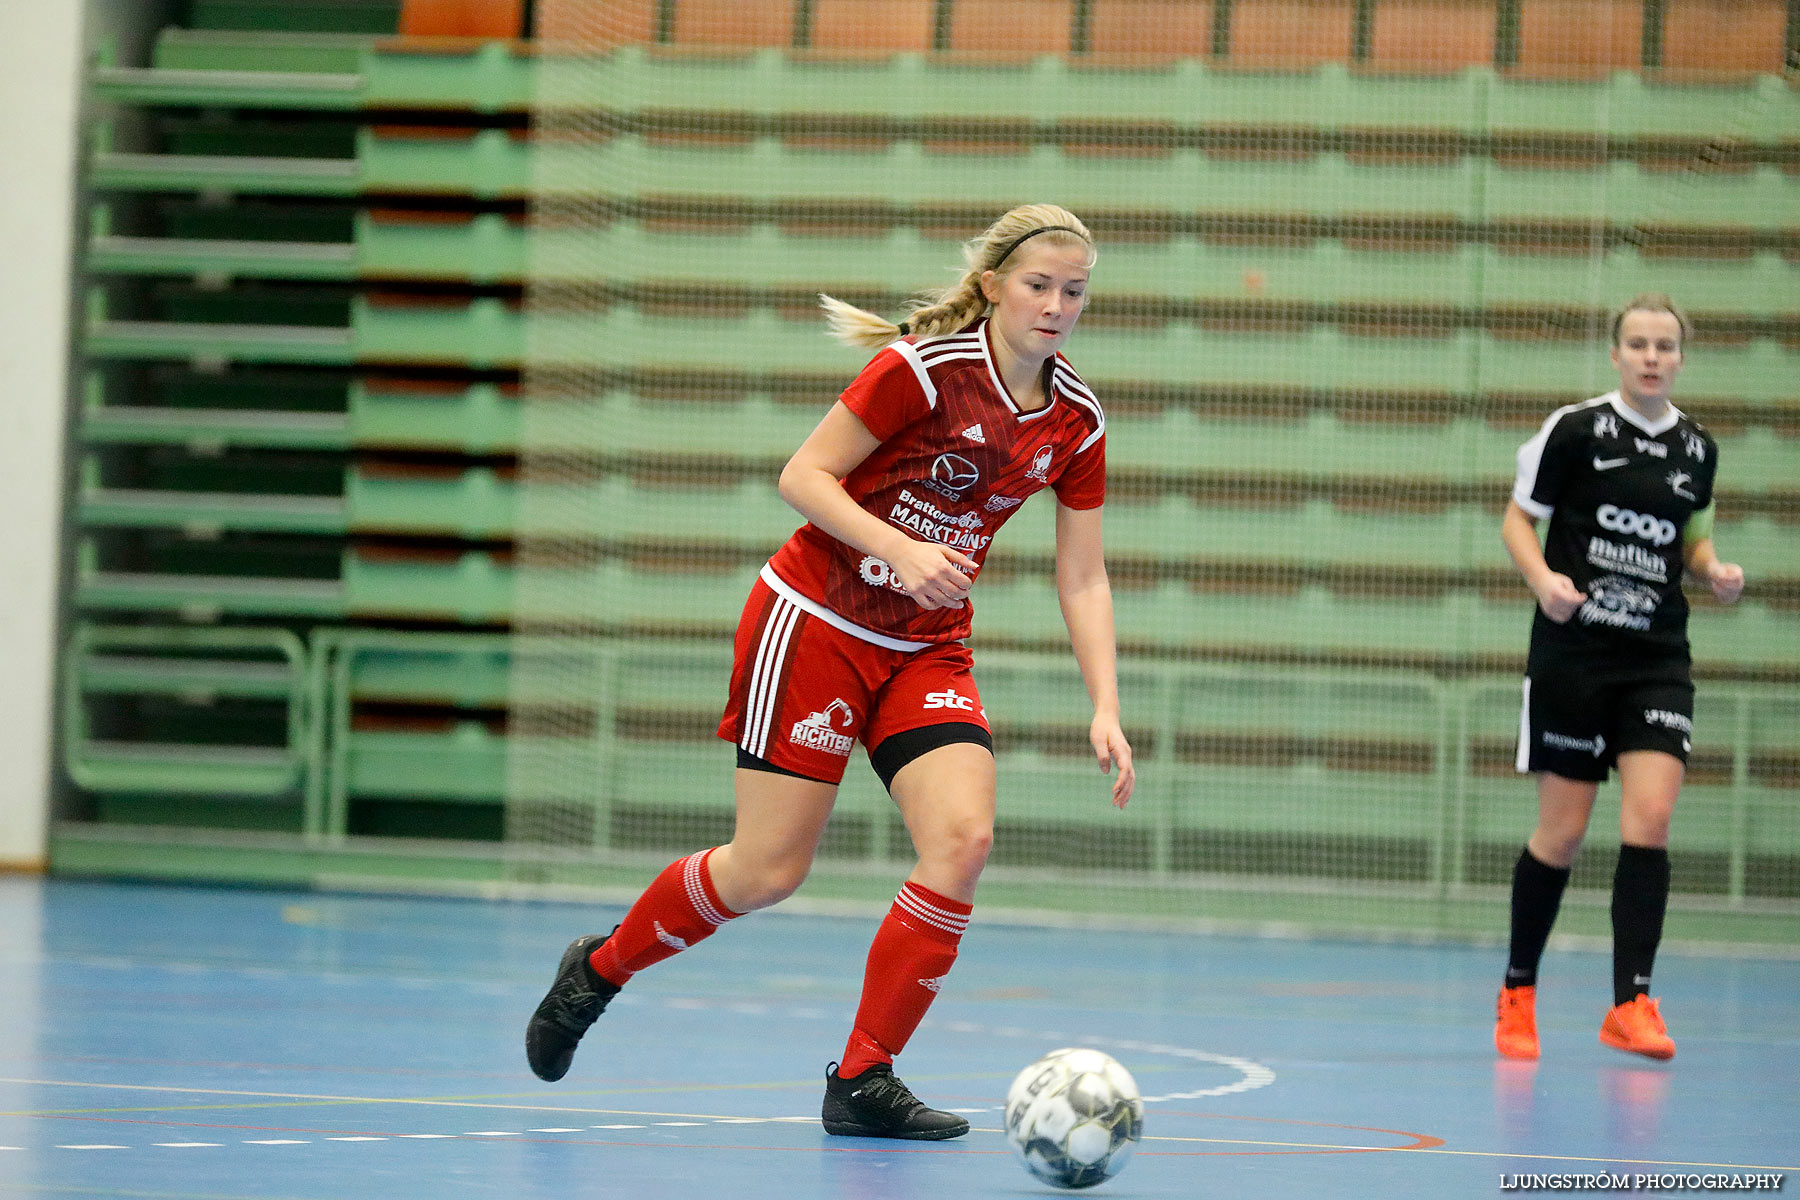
(307, 435)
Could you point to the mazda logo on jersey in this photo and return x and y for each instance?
(952, 474)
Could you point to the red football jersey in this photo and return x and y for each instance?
(957, 457)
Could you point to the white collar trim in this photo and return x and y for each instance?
(1653, 428)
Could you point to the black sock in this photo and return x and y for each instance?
(1640, 898)
(1537, 891)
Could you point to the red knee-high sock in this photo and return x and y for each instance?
(679, 908)
(911, 954)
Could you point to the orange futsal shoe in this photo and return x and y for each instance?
(1515, 1032)
(1638, 1028)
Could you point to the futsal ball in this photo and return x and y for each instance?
(1073, 1117)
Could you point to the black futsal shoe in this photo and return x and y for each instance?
(876, 1104)
(576, 998)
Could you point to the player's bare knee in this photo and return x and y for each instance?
(963, 847)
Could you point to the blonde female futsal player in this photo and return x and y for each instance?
(1626, 480)
(855, 633)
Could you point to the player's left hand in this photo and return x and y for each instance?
(1111, 748)
(1727, 581)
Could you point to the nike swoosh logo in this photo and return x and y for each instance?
(1607, 464)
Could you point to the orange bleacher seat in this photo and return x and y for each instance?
(1012, 28)
(587, 25)
(1150, 29)
(1724, 35)
(1580, 37)
(462, 18)
(734, 23)
(1291, 31)
(1432, 35)
(879, 25)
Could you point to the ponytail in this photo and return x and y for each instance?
(960, 305)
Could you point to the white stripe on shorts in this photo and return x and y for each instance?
(761, 701)
(1522, 760)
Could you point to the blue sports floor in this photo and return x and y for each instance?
(164, 1042)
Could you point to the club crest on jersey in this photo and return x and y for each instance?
(952, 475)
(974, 434)
(818, 731)
(1606, 425)
(1695, 445)
(1040, 465)
(1678, 481)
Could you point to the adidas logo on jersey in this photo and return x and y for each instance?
(974, 434)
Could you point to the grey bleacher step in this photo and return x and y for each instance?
(111, 251)
(195, 85)
(239, 510)
(143, 674)
(179, 426)
(176, 752)
(111, 167)
(182, 334)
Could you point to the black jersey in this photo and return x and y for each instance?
(1618, 491)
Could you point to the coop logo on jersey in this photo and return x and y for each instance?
(1606, 425)
(1001, 503)
(1696, 446)
(1040, 465)
(877, 572)
(949, 698)
(1678, 481)
(819, 732)
(952, 475)
(1595, 745)
(1653, 449)
(1652, 529)
(1679, 722)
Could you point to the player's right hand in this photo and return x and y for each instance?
(1559, 598)
(934, 576)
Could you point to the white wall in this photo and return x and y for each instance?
(39, 70)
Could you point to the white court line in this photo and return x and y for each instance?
(186, 1145)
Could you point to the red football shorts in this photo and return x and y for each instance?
(804, 692)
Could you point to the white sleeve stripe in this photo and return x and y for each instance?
(1531, 457)
(1542, 512)
(1077, 391)
(910, 353)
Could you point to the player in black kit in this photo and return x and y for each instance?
(1626, 481)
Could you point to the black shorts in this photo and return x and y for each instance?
(1581, 711)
